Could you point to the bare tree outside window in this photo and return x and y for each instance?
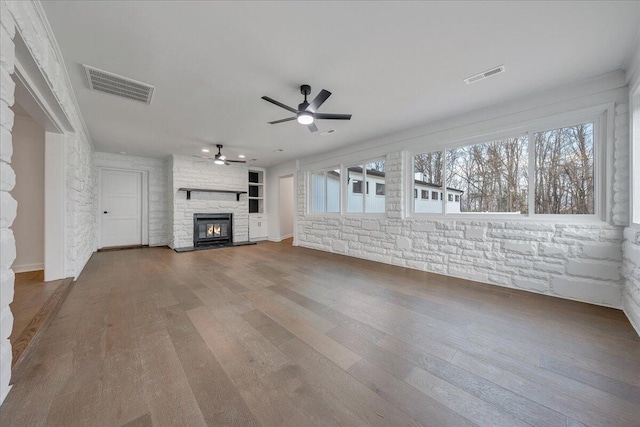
(377, 166)
(492, 175)
(429, 166)
(564, 179)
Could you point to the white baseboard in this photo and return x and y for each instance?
(27, 267)
(280, 239)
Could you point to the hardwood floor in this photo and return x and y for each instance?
(31, 292)
(276, 335)
(35, 304)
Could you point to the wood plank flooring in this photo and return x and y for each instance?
(31, 292)
(275, 335)
(34, 306)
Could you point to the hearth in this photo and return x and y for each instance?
(212, 229)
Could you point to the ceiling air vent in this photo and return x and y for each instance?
(118, 85)
(482, 76)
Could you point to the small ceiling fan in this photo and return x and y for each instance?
(307, 113)
(221, 159)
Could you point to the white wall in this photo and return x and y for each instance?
(272, 188)
(158, 188)
(28, 19)
(191, 172)
(287, 207)
(28, 164)
(569, 259)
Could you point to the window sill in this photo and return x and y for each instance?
(365, 215)
(506, 217)
(345, 215)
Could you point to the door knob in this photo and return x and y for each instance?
(105, 212)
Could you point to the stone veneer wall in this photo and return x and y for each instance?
(198, 173)
(79, 232)
(159, 204)
(631, 270)
(581, 261)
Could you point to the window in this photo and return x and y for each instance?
(325, 191)
(428, 170)
(493, 176)
(355, 198)
(375, 172)
(547, 172)
(564, 178)
(369, 173)
(415, 194)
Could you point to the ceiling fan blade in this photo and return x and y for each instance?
(280, 104)
(282, 121)
(312, 127)
(236, 161)
(319, 100)
(329, 116)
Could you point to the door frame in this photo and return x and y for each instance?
(35, 96)
(144, 226)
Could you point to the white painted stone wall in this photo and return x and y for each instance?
(28, 18)
(631, 270)
(159, 205)
(580, 261)
(8, 205)
(199, 173)
(621, 193)
(81, 215)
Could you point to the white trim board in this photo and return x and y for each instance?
(27, 268)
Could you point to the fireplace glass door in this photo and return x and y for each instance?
(213, 230)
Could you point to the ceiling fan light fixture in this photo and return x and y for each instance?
(218, 162)
(305, 118)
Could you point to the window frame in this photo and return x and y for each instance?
(602, 118)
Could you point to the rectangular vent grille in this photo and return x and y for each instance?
(114, 84)
(482, 76)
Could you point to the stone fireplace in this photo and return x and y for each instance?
(187, 171)
(212, 229)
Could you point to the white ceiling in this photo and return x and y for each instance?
(393, 65)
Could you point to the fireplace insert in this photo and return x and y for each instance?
(212, 229)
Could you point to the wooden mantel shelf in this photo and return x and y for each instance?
(209, 190)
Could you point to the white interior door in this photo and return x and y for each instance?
(120, 208)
